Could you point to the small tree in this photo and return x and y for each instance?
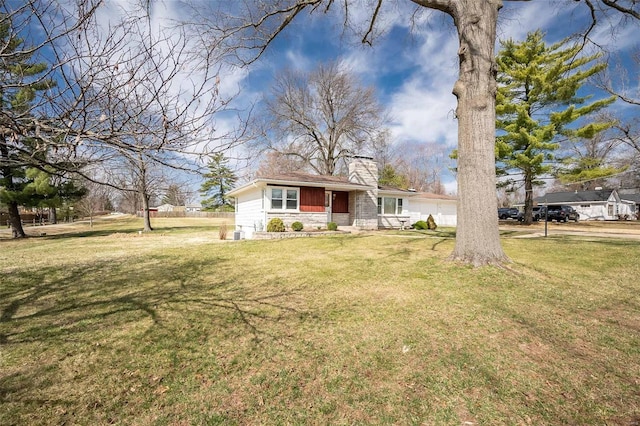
(219, 180)
(535, 103)
(390, 177)
(48, 191)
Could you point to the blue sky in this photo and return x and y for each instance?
(412, 68)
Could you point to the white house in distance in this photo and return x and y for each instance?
(356, 201)
(600, 204)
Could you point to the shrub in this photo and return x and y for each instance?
(431, 223)
(297, 226)
(332, 226)
(275, 225)
(222, 231)
(420, 225)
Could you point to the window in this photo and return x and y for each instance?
(276, 199)
(292, 199)
(284, 199)
(389, 205)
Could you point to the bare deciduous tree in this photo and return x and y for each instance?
(627, 127)
(127, 90)
(322, 117)
(96, 200)
(423, 164)
(275, 163)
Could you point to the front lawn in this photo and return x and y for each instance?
(176, 327)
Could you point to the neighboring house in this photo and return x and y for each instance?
(600, 204)
(193, 208)
(355, 201)
(634, 201)
(165, 208)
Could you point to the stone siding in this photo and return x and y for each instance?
(309, 220)
(363, 205)
(394, 221)
(301, 234)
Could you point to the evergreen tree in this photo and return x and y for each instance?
(219, 180)
(48, 191)
(536, 102)
(390, 177)
(21, 83)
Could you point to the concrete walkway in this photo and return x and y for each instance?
(624, 230)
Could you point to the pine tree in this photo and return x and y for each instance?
(390, 177)
(45, 190)
(219, 180)
(21, 82)
(536, 103)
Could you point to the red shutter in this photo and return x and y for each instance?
(311, 199)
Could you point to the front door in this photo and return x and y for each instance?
(327, 204)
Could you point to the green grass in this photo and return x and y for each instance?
(176, 327)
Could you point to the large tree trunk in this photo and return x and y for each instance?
(528, 198)
(477, 235)
(53, 216)
(145, 213)
(7, 177)
(14, 219)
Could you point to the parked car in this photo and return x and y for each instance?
(508, 213)
(537, 213)
(562, 213)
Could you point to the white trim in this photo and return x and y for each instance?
(401, 205)
(284, 208)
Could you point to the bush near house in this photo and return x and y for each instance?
(332, 226)
(222, 231)
(297, 226)
(275, 225)
(420, 225)
(431, 223)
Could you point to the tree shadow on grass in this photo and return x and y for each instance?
(51, 303)
(98, 320)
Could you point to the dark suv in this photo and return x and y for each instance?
(562, 213)
(508, 213)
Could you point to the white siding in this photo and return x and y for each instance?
(250, 212)
(595, 211)
(443, 211)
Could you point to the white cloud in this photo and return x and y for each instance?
(423, 108)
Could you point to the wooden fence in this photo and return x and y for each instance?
(222, 215)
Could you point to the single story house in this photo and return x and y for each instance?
(631, 196)
(356, 201)
(165, 208)
(600, 204)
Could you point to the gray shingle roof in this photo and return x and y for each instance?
(574, 197)
(630, 197)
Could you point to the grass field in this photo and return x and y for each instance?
(106, 326)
